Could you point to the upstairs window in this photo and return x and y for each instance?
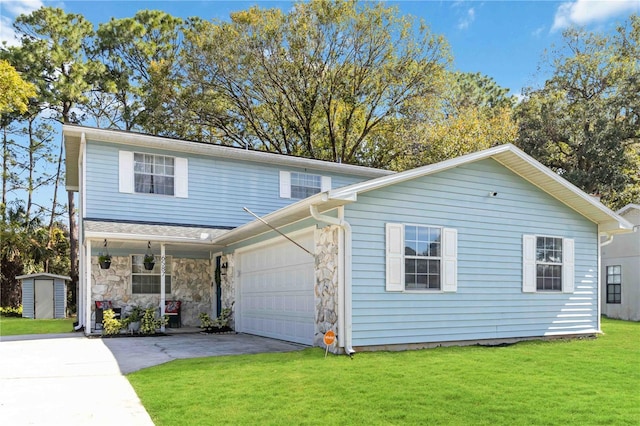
(153, 174)
(143, 173)
(304, 185)
(300, 185)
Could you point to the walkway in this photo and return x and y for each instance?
(73, 380)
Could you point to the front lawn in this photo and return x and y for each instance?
(17, 326)
(575, 382)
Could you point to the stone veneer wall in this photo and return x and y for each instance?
(227, 286)
(326, 286)
(190, 282)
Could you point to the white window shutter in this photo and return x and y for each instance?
(325, 183)
(125, 167)
(529, 264)
(568, 265)
(181, 177)
(285, 184)
(395, 256)
(449, 259)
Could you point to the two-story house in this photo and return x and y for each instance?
(487, 247)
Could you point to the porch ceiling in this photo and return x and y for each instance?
(133, 237)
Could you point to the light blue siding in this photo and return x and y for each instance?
(489, 302)
(218, 190)
(28, 298)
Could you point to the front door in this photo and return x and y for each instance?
(218, 285)
(44, 299)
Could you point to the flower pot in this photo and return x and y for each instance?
(134, 327)
(105, 264)
(149, 265)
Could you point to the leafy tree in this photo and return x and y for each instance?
(14, 91)
(57, 48)
(318, 81)
(475, 113)
(584, 122)
(138, 52)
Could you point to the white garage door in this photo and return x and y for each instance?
(276, 290)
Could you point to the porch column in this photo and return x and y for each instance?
(83, 299)
(162, 283)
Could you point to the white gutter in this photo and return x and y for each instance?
(344, 278)
(608, 241)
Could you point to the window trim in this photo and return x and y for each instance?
(395, 259)
(126, 174)
(154, 174)
(158, 260)
(530, 264)
(619, 285)
(285, 183)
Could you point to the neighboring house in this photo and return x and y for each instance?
(488, 247)
(620, 273)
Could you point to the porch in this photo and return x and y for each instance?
(183, 268)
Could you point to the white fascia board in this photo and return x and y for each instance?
(283, 217)
(513, 153)
(43, 274)
(349, 191)
(623, 224)
(211, 150)
(89, 235)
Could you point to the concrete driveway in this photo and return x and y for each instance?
(73, 380)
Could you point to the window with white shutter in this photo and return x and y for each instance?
(421, 258)
(547, 264)
(302, 185)
(153, 174)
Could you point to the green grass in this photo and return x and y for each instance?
(563, 382)
(18, 326)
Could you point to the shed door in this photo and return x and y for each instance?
(44, 299)
(276, 290)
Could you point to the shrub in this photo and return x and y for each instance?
(110, 324)
(149, 323)
(10, 311)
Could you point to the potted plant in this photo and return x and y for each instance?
(104, 259)
(149, 261)
(133, 319)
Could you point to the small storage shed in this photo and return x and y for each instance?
(44, 296)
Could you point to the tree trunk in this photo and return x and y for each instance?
(73, 249)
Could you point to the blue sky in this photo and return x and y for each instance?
(502, 39)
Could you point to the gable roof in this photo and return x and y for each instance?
(43, 275)
(74, 134)
(508, 155)
(628, 208)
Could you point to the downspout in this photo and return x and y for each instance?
(84, 250)
(163, 268)
(344, 278)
